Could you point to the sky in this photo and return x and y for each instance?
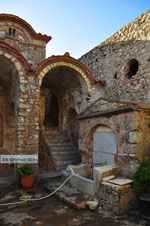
(76, 26)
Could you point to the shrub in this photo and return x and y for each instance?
(141, 178)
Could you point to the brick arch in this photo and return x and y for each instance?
(95, 125)
(88, 141)
(66, 61)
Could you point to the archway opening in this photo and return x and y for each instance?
(62, 90)
(9, 94)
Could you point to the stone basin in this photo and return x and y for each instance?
(87, 179)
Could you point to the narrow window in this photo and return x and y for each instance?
(14, 32)
(10, 31)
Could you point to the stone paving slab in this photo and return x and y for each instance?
(71, 196)
(53, 212)
(120, 181)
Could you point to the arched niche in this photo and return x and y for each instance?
(104, 145)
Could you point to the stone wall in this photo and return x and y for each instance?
(110, 61)
(28, 116)
(130, 125)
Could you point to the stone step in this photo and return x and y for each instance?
(64, 163)
(59, 149)
(63, 157)
(59, 144)
(49, 129)
(61, 168)
(54, 137)
(63, 153)
(50, 175)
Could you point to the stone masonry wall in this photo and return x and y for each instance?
(28, 125)
(108, 61)
(130, 125)
(122, 125)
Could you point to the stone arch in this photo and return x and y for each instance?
(105, 122)
(66, 61)
(19, 66)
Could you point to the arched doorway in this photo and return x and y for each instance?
(9, 94)
(71, 82)
(104, 145)
(61, 88)
(51, 118)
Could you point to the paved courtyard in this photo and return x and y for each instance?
(53, 212)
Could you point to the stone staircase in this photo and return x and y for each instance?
(60, 150)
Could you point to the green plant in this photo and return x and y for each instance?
(141, 178)
(23, 171)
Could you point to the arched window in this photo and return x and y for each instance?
(14, 31)
(10, 31)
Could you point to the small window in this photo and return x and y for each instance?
(10, 31)
(14, 31)
(132, 68)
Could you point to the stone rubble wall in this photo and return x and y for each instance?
(107, 61)
(28, 116)
(116, 198)
(122, 125)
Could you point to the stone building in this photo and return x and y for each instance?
(92, 110)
